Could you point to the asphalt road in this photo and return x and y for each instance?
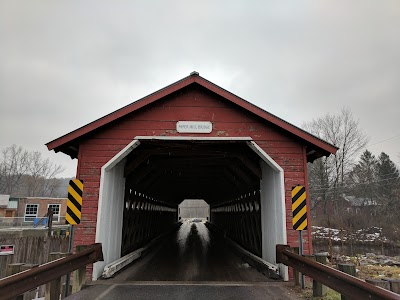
(191, 264)
(193, 254)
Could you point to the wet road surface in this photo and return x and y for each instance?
(190, 264)
(193, 254)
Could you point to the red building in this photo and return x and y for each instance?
(190, 140)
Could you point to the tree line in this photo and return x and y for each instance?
(28, 174)
(369, 185)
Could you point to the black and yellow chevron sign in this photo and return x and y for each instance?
(74, 203)
(299, 207)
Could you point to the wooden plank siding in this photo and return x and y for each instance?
(159, 119)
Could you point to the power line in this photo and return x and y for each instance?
(338, 189)
(393, 137)
(351, 186)
(322, 188)
(382, 141)
(393, 173)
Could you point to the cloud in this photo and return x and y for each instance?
(64, 64)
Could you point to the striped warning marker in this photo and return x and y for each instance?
(299, 208)
(74, 203)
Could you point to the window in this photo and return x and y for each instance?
(31, 212)
(56, 211)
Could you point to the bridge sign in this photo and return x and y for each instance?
(74, 204)
(299, 208)
(194, 127)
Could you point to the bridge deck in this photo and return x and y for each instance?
(193, 264)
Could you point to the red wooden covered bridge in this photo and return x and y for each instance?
(190, 140)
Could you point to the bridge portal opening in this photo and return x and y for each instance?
(144, 190)
(194, 209)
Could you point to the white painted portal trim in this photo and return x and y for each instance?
(112, 178)
(273, 208)
(265, 157)
(109, 217)
(121, 155)
(193, 138)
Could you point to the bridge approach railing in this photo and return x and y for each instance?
(17, 284)
(347, 285)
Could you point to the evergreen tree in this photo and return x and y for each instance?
(364, 179)
(388, 176)
(389, 196)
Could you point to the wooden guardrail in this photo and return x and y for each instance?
(16, 284)
(343, 283)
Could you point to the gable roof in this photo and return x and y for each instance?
(68, 143)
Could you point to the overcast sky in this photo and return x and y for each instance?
(64, 64)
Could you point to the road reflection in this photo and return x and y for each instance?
(193, 235)
(182, 236)
(193, 254)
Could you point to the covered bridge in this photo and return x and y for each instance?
(189, 140)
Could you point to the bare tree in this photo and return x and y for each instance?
(27, 173)
(41, 172)
(13, 165)
(320, 179)
(327, 175)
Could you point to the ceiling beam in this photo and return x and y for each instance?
(253, 167)
(131, 165)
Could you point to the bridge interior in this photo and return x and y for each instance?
(232, 178)
(160, 175)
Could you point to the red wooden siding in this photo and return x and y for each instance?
(193, 103)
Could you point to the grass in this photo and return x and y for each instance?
(377, 271)
(330, 295)
(364, 272)
(307, 293)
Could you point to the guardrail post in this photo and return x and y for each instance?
(394, 284)
(296, 274)
(379, 282)
(64, 284)
(319, 290)
(14, 269)
(311, 257)
(29, 294)
(53, 287)
(79, 278)
(348, 269)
